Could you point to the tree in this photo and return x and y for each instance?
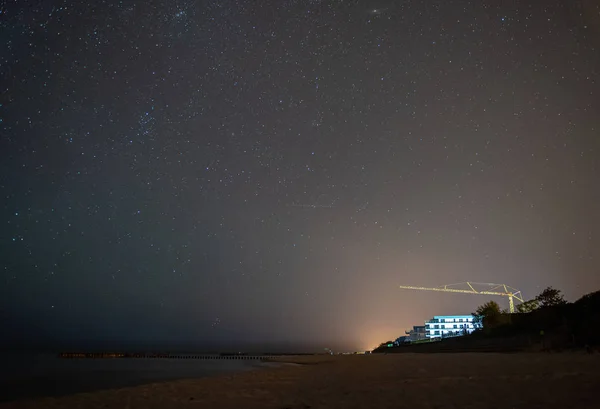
(547, 298)
(550, 297)
(528, 306)
(488, 315)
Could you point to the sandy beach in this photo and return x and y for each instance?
(568, 380)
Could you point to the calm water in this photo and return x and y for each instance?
(36, 375)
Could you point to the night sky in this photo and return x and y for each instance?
(268, 172)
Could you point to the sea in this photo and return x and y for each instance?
(27, 375)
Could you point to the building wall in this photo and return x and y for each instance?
(449, 325)
(417, 333)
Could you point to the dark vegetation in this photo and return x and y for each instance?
(546, 322)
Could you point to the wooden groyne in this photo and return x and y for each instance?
(111, 355)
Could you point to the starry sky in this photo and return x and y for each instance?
(243, 172)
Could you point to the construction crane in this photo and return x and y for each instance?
(470, 287)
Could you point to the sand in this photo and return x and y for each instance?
(567, 380)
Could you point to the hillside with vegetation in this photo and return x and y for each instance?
(547, 322)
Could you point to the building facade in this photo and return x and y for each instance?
(442, 326)
(418, 333)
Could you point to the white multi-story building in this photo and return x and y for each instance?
(442, 326)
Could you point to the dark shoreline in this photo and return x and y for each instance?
(198, 356)
(51, 376)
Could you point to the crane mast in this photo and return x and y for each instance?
(470, 287)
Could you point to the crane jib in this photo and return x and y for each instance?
(502, 290)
